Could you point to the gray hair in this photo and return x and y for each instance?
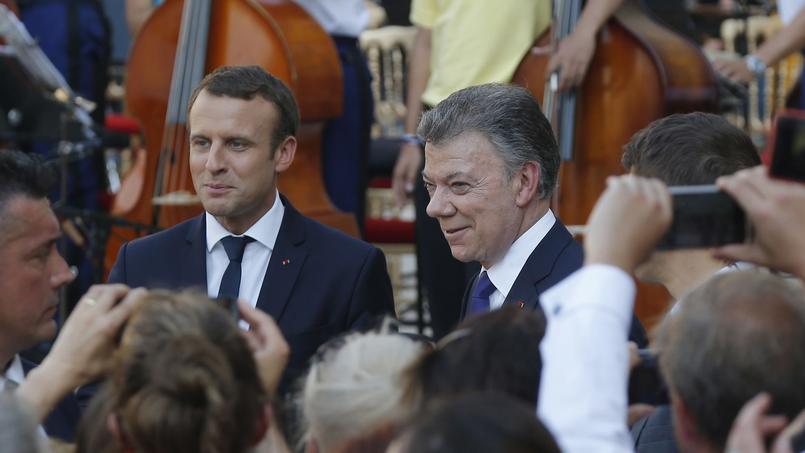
(509, 117)
(737, 335)
(356, 388)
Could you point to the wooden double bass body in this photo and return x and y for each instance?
(641, 71)
(274, 34)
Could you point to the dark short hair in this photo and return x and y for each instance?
(479, 422)
(246, 82)
(689, 149)
(493, 352)
(739, 334)
(22, 174)
(509, 117)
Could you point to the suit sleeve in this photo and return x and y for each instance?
(372, 295)
(118, 272)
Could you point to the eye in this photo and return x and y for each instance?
(430, 187)
(199, 142)
(459, 187)
(238, 145)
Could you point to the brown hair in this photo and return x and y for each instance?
(185, 379)
(246, 82)
(494, 352)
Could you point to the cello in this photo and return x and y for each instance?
(640, 72)
(182, 41)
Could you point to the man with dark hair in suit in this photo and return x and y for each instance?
(491, 165)
(32, 273)
(251, 243)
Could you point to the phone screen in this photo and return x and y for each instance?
(788, 160)
(703, 217)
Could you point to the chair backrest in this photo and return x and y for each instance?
(388, 51)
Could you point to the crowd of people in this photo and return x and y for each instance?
(540, 362)
(253, 328)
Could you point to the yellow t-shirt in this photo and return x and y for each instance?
(477, 41)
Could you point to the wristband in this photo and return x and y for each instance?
(755, 64)
(412, 139)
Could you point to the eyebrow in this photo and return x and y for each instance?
(450, 176)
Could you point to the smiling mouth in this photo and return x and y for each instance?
(452, 231)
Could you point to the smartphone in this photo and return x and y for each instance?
(230, 304)
(704, 217)
(788, 149)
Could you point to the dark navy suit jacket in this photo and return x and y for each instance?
(63, 419)
(319, 283)
(555, 257)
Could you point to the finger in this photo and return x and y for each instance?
(100, 298)
(260, 322)
(740, 252)
(772, 424)
(753, 409)
(742, 188)
(783, 442)
(541, 50)
(252, 340)
(121, 312)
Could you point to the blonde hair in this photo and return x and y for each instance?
(356, 388)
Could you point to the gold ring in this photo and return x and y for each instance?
(90, 301)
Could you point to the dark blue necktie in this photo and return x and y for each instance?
(479, 303)
(230, 283)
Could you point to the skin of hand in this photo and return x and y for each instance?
(734, 69)
(752, 426)
(406, 170)
(776, 210)
(84, 347)
(572, 58)
(268, 346)
(630, 207)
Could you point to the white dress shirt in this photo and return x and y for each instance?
(503, 273)
(255, 257)
(13, 373)
(16, 374)
(585, 371)
(338, 17)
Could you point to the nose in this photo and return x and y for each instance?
(440, 205)
(61, 274)
(215, 159)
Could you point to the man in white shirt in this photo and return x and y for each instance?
(491, 166)
(251, 243)
(738, 335)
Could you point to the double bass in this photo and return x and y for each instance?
(640, 72)
(182, 41)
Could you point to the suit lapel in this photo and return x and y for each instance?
(193, 257)
(285, 264)
(537, 267)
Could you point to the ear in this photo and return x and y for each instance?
(113, 425)
(526, 183)
(687, 436)
(263, 423)
(284, 154)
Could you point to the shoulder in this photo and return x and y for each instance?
(167, 236)
(322, 237)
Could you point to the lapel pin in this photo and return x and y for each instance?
(286, 262)
(520, 304)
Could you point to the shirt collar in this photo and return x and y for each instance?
(14, 372)
(264, 231)
(505, 272)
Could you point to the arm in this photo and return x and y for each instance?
(582, 395)
(785, 42)
(410, 158)
(137, 11)
(82, 350)
(574, 53)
